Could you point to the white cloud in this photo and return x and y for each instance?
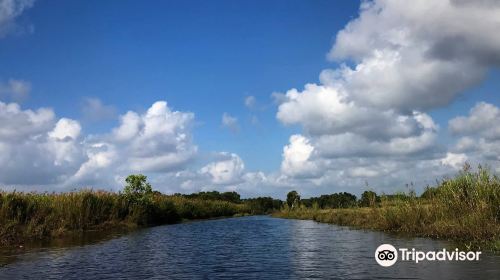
(326, 110)
(367, 120)
(230, 122)
(483, 120)
(225, 171)
(297, 158)
(99, 169)
(161, 140)
(17, 124)
(66, 129)
(15, 90)
(250, 102)
(387, 81)
(130, 125)
(363, 172)
(41, 152)
(454, 160)
(157, 141)
(35, 149)
(406, 54)
(9, 10)
(479, 134)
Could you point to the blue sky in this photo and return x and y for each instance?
(199, 56)
(207, 57)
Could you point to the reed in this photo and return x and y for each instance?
(465, 208)
(35, 216)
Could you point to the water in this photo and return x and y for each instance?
(258, 247)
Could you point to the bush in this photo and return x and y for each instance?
(138, 190)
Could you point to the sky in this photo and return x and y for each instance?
(259, 97)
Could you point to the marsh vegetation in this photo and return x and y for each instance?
(35, 216)
(465, 208)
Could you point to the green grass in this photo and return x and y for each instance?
(465, 209)
(36, 216)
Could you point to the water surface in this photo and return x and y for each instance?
(258, 247)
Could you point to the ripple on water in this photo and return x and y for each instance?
(258, 247)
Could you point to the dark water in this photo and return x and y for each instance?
(257, 247)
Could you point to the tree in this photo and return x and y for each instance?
(263, 205)
(368, 199)
(293, 199)
(233, 197)
(138, 190)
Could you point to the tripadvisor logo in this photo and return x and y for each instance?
(387, 255)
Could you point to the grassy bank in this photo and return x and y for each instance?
(465, 209)
(36, 216)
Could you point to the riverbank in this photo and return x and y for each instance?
(465, 209)
(26, 217)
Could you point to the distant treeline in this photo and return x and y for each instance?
(348, 200)
(213, 195)
(345, 199)
(258, 205)
(336, 200)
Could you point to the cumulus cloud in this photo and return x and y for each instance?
(323, 110)
(37, 148)
(17, 124)
(405, 54)
(454, 160)
(66, 130)
(39, 151)
(230, 122)
(479, 134)
(482, 120)
(225, 171)
(297, 158)
(14, 90)
(342, 128)
(157, 141)
(365, 121)
(9, 10)
(368, 118)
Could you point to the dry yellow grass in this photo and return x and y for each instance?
(465, 208)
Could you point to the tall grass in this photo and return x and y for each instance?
(29, 216)
(465, 208)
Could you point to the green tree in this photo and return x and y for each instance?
(138, 190)
(293, 199)
(233, 197)
(369, 198)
